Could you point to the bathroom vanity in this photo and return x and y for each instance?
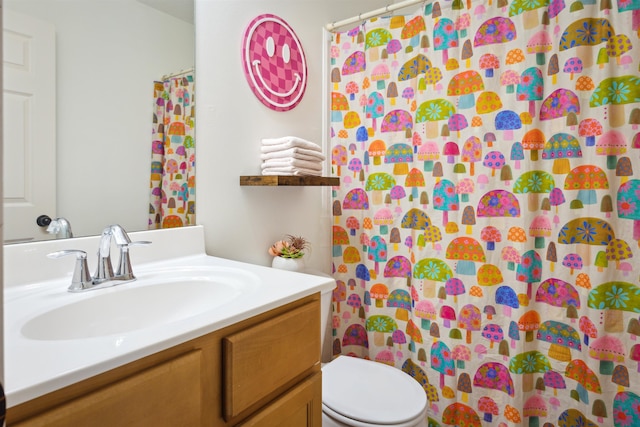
(257, 372)
(253, 361)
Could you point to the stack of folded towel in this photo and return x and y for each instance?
(291, 155)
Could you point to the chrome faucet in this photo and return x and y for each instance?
(104, 276)
(104, 271)
(60, 226)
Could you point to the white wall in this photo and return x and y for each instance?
(242, 222)
(108, 55)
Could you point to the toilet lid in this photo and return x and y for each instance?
(371, 392)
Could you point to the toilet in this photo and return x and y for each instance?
(363, 393)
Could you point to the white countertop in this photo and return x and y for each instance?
(37, 367)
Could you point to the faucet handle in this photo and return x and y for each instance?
(125, 272)
(81, 279)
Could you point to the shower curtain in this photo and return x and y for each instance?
(172, 182)
(487, 226)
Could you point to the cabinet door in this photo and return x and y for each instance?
(301, 406)
(268, 358)
(168, 394)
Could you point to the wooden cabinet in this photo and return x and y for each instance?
(253, 366)
(174, 385)
(259, 372)
(302, 406)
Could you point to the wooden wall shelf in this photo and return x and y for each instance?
(286, 180)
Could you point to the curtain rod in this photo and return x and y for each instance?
(179, 73)
(373, 13)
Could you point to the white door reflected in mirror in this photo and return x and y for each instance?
(29, 97)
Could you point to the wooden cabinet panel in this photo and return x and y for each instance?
(302, 406)
(263, 358)
(166, 394)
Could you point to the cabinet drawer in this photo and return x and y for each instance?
(263, 358)
(171, 395)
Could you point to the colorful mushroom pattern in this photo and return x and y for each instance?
(487, 225)
(172, 199)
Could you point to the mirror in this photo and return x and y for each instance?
(107, 56)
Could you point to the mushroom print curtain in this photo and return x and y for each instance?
(486, 229)
(172, 198)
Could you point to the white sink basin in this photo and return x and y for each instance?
(154, 299)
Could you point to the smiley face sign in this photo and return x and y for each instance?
(274, 62)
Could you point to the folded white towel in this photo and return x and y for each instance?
(294, 153)
(291, 170)
(283, 163)
(268, 145)
(299, 156)
(284, 139)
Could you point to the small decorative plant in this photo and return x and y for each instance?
(290, 247)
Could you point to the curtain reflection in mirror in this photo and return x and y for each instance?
(172, 197)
